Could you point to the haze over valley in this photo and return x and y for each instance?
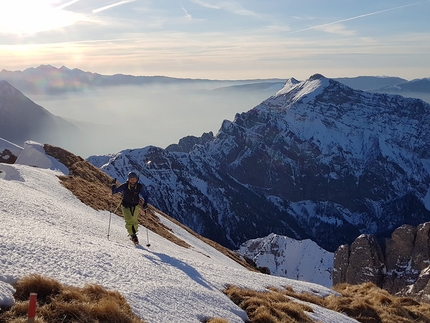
(115, 118)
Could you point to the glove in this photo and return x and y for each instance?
(113, 188)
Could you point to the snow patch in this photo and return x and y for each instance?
(34, 155)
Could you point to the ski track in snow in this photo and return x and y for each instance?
(46, 230)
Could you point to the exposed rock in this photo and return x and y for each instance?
(403, 269)
(186, 144)
(398, 259)
(340, 264)
(421, 252)
(7, 157)
(366, 261)
(9, 151)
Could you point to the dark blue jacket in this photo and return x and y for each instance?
(130, 194)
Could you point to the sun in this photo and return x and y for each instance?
(28, 17)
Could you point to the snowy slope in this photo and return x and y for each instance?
(47, 230)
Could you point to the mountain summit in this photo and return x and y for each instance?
(317, 160)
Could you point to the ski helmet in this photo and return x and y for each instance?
(132, 175)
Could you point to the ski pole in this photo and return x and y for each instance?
(110, 211)
(147, 234)
(110, 216)
(141, 168)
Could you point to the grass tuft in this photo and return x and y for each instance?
(366, 303)
(44, 287)
(58, 303)
(270, 306)
(215, 320)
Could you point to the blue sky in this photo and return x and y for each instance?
(219, 39)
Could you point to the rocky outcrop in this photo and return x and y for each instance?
(186, 144)
(400, 270)
(9, 151)
(403, 268)
(363, 261)
(7, 157)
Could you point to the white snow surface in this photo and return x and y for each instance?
(46, 230)
(6, 294)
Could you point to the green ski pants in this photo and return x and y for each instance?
(131, 215)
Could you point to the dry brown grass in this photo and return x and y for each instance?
(59, 303)
(369, 303)
(215, 320)
(272, 306)
(366, 303)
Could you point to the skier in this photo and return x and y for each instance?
(131, 190)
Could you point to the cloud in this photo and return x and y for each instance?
(204, 4)
(112, 5)
(338, 29)
(187, 15)
(324, 26)
(67, 4)
(231, 6)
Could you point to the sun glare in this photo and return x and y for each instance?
(28, 17)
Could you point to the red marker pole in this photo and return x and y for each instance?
(32, 307)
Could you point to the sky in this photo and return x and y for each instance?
(219, 39)
(66, 240)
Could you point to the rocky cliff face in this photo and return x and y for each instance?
(317, 161)
(403, 268)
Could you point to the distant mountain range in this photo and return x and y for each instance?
(318, 160)
(47, 79)
(416, 86)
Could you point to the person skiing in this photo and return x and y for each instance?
(131, 190)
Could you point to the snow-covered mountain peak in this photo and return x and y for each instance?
(286, 257)
(291, 83)
(295, 91)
